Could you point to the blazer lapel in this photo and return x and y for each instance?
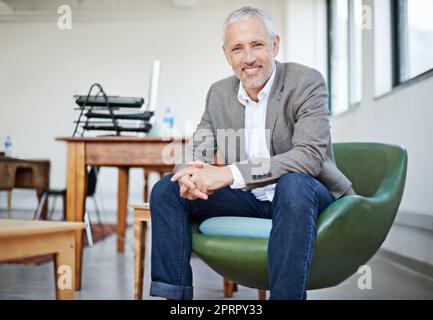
(237, 114)
(274, 104)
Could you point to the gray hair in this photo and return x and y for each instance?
(250, 12)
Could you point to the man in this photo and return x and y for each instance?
(283, 168)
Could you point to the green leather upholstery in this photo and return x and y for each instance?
(349, 231)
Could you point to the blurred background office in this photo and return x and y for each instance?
(377, 57)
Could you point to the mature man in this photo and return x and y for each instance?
(283, 168)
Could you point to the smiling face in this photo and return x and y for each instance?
(250, 51)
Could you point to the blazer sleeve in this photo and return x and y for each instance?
(311, 136)
(202, 145)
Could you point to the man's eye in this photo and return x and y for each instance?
(236, 49)
(258, 45)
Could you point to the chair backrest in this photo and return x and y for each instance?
(92, 179)
(371, 166)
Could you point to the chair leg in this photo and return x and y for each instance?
(39, 209)
(262, 294)
(53, 206)
(228, 288)
(98, 214)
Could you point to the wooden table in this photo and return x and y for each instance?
(23, 238)
(25, 173)
(111, 151)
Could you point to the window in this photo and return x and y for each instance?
(344, 53)
(413, 38)
(383, 53)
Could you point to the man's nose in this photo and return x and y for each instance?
(250, 57)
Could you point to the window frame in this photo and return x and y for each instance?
(350, 49)
(397, 42)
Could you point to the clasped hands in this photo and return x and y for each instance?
(199, 180)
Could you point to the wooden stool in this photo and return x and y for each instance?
(141, 219)
(24, 238)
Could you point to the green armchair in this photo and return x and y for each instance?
(349, 232)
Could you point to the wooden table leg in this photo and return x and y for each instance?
(146, 185)
(64, 267)
(122, 202)
(76, 198)
(9, 202)
(140, 228)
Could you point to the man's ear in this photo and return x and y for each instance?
(276, 45)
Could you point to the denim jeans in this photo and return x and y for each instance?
(297, 202)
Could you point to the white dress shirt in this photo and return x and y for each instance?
(255, 138)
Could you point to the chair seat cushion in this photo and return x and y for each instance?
(237, 227)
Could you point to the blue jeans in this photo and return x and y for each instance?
(297, 203)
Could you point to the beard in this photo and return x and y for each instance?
(257, 82)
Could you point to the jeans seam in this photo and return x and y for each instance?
(303, 288)
(307, 253)
(181, 268)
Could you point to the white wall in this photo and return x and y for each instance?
(42, 67)
(306, 33)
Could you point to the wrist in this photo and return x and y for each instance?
(229, 175)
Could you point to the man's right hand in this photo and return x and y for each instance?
(188, 189)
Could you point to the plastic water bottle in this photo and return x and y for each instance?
(167, 123)
(8, 146)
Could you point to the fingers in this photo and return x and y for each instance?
(189, 190)
(185, 186)
(187, 182)
(197, 164)
(197, 193)
(184, 192)
(202, 183)
(185, 171)
(192, 194)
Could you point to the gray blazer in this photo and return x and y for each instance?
(299, 139)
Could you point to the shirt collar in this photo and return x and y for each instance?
(243, 95)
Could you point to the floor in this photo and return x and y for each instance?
(109, 275)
